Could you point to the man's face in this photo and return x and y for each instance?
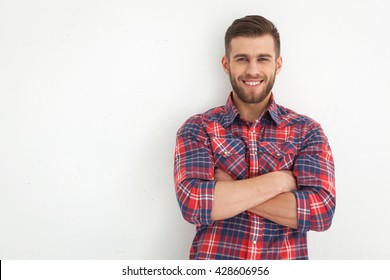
(252, 66)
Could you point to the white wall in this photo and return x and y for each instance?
(93, 92)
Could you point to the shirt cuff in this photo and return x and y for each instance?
(303, 210)
(206, 203)
(198, 204)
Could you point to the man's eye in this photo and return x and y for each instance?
(263, 59)
(242, 59)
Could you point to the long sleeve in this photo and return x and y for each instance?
(315, 173)
(194, 173)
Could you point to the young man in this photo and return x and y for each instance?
(253, 176)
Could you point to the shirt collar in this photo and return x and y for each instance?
(232, 111)
(273, 110)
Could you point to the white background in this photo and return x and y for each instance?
(93, 92)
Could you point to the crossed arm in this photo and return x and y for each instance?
(268, 195)
(303, 199)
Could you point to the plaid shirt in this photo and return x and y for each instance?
(279, 139)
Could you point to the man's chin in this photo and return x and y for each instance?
(252, 97)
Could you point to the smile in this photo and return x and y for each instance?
(252, 83)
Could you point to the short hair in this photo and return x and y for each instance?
(252, 26)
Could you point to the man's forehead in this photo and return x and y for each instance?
(252, 45)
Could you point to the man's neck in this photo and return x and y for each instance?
(250, 111)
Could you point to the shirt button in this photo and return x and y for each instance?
(278, 154)
(254, 242)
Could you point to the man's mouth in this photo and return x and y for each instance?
(252, 83)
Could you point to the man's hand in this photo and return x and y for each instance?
(283, 179)
(221, 175)
(286, 180)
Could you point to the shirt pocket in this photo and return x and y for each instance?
(229, 155)
(275, 156)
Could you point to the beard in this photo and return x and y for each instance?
(252, 98)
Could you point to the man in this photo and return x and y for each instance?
(253, 176)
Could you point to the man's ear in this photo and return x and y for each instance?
(279, 64)
(225, 64)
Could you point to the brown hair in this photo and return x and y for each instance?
(252, 26)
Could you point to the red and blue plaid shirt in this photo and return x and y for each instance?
(279, 139)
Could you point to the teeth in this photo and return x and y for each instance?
(252, 83)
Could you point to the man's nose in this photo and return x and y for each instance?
(253, 68)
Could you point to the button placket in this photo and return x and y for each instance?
(253, 156)
(254, 237)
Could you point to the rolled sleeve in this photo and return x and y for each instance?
(196, 200)
(316, 195)
(194, 173)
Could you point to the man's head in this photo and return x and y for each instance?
(252, 26)
(252, 58)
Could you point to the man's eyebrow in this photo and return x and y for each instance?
(240, 55)
(259, 55)
(265, 55)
